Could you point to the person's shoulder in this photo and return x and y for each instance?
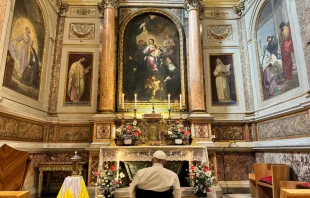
(170, 172)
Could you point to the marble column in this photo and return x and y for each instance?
(195, 68)
(108, 58)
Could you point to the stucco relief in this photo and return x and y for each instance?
(74, 133)
(217, 13)
(84, 31)
(290, 126)
(82, 11)
(219, 33)
(237, 166)
(298, 162)
(11, 128)
(244, 59)
(228, 132)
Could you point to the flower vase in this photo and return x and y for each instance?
(127, 141)
(178, 141)
(201, 194)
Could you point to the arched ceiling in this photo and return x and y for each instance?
(205, 3)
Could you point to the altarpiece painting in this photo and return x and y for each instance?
(151, 60)
(23, 69)
(275, 50)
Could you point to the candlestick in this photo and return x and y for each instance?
(113, 133)
(193, 130)
(123, 97)
(169, 101)
(135, 101)
(180, 102)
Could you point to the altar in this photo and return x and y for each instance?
(143, 154)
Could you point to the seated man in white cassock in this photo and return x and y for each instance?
(156, 181)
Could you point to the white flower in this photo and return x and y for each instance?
(169, 132)
(102, 174)
(208, 173)
(119, 130)
(121, 175)
(134, 123)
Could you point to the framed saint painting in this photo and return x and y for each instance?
(222, 75)
(24, 62)
(151, 60)
(78, 78)
(275, 49)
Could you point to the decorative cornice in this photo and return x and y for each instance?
(193, 4)
(109, 3)
(63, 7)
(238, 9)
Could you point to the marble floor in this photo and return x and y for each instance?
(237, 196)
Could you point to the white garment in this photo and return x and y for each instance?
(74, 184)
(156, 178)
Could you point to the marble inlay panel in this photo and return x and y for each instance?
(17, 129)
(290, 126)
(2, 13)
(228, 132)
(202, 130)
(299, 162)
(53, 97)
(51, 131)
(244, 60)
(93, 163)
(303, 10)
(74, 133)
(234, 166)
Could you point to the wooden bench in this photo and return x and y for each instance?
(258, 189)
(289, 185)
(295, 193)
(14, 194)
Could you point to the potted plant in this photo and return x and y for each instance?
(128, 132)
(200, 179)
(232, 143)
(107, 182)
(178, 130)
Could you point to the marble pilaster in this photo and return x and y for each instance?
(195, 68)
(2, 13)
(108, 59)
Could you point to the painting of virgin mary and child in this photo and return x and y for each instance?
(151, 59)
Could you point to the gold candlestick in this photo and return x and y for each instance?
(123, 119)
(153, 106)
(181, 114)
(169, 116)
(194, 143)
(135, 114)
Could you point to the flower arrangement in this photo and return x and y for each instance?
(200, 179)
(107, 182)
(129, 130)
(178, 130)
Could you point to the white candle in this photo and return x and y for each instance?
(135, 101)
(123, 96)
(193, 131)
(180, 102)
(169, 101)
(113, 133)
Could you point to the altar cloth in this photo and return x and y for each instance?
(73, 187)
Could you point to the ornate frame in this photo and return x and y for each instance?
(180, 31)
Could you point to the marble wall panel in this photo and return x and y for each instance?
(93, 163)
(228, 132)
(53, 99)
(234, 166)
(2, 13)
(74, 133)
(303, 10)
(245, 65)
(18, 129)
(299, 162)
(290, 126)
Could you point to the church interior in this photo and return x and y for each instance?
(88, 84)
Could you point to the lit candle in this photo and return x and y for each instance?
(123, 96)
(135, 101)
(193, 130)
(169, 101)
(113, 133)
(180, 102)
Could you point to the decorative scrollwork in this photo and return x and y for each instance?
(192, 4)
(222, 32)
(238, 9)
(82, 31)
(63, 7)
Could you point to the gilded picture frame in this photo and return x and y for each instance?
(136, 31)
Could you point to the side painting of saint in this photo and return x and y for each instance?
(151, 60)
(223, 79)
(79, 78)
(23, 69)
(275, 50)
